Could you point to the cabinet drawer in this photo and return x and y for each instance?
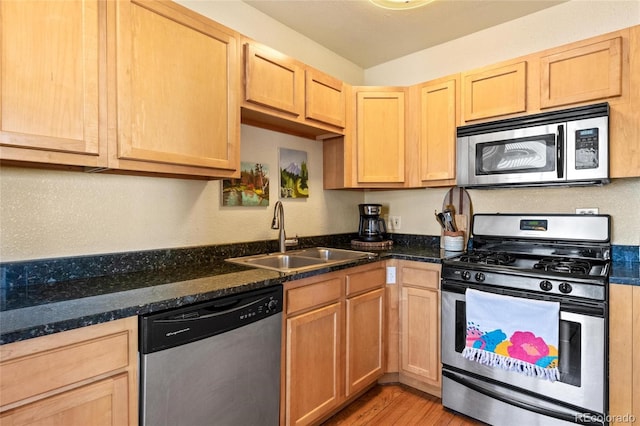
(33, 372)
(424, 276)
(359, 282)
(313, 295)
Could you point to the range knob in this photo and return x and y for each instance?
(546, 285)
(480, 276)
(466, 275)
(565, 288)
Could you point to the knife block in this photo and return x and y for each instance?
(462, 224)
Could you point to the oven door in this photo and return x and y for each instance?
(582, 359)
(525, 155)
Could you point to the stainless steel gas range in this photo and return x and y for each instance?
(563, 260)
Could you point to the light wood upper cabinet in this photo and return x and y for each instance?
(380, 135)
(273, 80)
(438, 118)
(283, 94)
(82, 376)
(176, 75)
(52, 87)
(494, 91)
(325, 98)
(585, 73)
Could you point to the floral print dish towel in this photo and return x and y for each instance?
(513, 333)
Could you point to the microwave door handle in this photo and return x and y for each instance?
(560, 152)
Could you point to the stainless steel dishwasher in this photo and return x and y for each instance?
(213, 363)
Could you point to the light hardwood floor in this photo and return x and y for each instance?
(397, 405)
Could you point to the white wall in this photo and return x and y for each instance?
(565, 23)
(254, 24)
(47, 214)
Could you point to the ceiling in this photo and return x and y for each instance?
(368, 35)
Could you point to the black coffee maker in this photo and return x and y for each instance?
(372, 227)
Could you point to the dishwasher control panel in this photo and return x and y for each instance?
(179, 326)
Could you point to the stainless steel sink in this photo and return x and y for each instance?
(283, 261)
(301, 260)
(329, 254)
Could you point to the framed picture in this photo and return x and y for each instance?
(252, 189)
(294, 175)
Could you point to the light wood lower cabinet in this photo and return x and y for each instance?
(103, 403)
(420, 325)
(79, 377)
(314, 347)
(624, 352)
(364, 347)
(333, 341)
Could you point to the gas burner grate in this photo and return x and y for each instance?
(564, 265)
(489, 258)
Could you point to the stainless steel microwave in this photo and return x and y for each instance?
(566, 147)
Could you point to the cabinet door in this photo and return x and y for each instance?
(313, 367)
(581, 74)
(494, 92)
(176, 90)
(380, 136)
(624, 352)
(104, 403)
(52, 73)
(438, 131)
(325, 98)
(420, 334)
(365, 315)
(273, 80)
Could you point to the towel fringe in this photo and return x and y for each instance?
(493, 359)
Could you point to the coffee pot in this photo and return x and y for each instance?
(372, 227)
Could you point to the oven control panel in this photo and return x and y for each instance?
(551, 285)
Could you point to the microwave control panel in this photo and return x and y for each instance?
(587, 149)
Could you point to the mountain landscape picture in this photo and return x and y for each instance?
(252, 189)
(294, 175)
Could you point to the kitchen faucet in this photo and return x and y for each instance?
(278, 223)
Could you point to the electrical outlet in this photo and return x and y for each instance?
(391, 274)
(395, 222)
(588, 210)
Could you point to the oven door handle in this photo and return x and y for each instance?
(583, 419)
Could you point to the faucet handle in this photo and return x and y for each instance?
(289, 242)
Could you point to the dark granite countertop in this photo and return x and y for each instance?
(45, 297)
(35, 302)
